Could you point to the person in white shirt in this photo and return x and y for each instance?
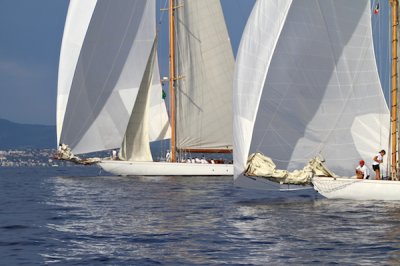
(377, 160)
(362, 171)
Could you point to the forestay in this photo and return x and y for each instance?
(306, 83)
(205, 66)
(104, 52)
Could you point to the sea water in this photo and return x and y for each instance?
(74, 216)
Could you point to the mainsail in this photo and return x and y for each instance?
(306, 83)
(105, 48)
(204, 72)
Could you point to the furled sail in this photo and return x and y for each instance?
(136, 143)
(101, 67)
(306, 83)
(205, 66)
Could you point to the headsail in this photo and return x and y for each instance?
(205, 66)
(100, 85)
(306, 83)
(136, 143)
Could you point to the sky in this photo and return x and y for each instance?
(31, 34)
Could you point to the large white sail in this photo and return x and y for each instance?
(306, 83)
(205, 66)
(100, 76)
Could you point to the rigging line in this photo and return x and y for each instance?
(386, 66)
(377, 25)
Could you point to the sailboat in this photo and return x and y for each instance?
(109, 90)
(306, 87)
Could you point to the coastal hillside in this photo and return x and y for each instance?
(22, 136)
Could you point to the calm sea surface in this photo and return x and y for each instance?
(73, 216)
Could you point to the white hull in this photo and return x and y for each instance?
(357, 189)
(125, 168)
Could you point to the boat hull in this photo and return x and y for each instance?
(357, 189)
(125, 168)
(256, 187)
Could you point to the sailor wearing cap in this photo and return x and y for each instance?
(362, 171)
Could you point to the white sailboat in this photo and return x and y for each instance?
(305, 86)
(109, 92)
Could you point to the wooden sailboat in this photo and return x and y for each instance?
(343, 188)
(122, 106)
(314, 91)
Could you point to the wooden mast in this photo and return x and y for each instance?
(393, 114)
(172, 112)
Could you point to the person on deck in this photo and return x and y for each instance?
(377, 160)
(203, 159)
(362, 171)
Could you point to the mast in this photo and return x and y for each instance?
(393, 115)
(172, 80)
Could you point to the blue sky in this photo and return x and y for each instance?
(31, 34)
